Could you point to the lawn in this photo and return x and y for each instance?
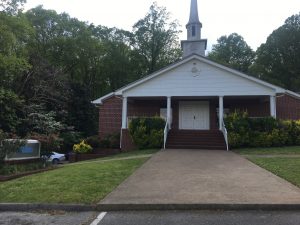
(287, 168)
(76, 183)
(291, 150)
(127, 154)
(282, 161)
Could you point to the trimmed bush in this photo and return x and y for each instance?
(260, 132)
(147, 132)
(93, 141)
(82, 147)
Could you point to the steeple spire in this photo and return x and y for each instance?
(194, 44)
(194, 26)
(194, 18)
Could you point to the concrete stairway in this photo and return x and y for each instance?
(196, 139)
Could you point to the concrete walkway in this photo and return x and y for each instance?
(202, 177)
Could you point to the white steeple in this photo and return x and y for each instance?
(194, 44)
(194, 26)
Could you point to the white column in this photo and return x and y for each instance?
(169, 111)
(273, 106)
(124, 113)
(221, 112)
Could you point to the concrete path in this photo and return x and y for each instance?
(202, 177)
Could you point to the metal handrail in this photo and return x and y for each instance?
(225, 133)
(166, 130)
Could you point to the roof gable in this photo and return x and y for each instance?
(197, 78)
(204, 61)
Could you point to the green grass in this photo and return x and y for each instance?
(129, 154)
(291, 150)
(77, 183)
(286, 168)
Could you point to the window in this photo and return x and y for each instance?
(193, 31)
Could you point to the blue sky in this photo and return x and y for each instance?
(253, 19)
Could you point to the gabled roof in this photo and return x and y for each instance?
(201, 59)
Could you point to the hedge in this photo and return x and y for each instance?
(244, 131)
(147, 132)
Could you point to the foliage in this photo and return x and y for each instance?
(260, 132)
(11, 6)
(147, 132)
(93, 141)
(10, 110)
(233, 51)
(69, 138)
(155, 39)
(278, 59)
(82, 147)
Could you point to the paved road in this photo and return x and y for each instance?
(201, 218)
(154, 217)
(47, 218)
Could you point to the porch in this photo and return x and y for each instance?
(196, 122)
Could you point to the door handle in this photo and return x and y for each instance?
(194, 117)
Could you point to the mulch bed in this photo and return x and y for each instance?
(18, 175)
(97, 153)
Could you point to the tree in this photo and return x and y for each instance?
(155, 39)
(233, 51)
(278, 60)
(11, 7)
(15, 34)
(10, 110)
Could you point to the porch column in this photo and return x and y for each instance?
(124, 113)
(273, 106)
(221, 112)
(169, 111)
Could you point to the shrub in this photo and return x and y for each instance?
(147, 132)
(110, 141)
(93, 141)
(260, 132)
(292, 129)
(69, 138)
(265, 124)
(82, 147)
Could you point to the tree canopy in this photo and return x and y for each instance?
(155, 39)
(233, 51)
(52, 66)
(278, 60)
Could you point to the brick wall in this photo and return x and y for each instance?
(127, 142)
(145, 108)
(259, 107)
(288, 107)
(110, 116)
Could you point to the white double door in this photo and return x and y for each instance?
(194, 115)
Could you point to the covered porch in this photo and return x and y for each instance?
(197, 114)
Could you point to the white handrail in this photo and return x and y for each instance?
(225, 133)
(166, 130)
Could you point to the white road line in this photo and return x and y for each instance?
(99, 218)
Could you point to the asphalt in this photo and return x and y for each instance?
(47, 218)
(201, 218)
(152, 217)
(200, 177)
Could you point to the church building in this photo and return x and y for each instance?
(193, 95)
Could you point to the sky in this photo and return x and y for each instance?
(253, 19)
